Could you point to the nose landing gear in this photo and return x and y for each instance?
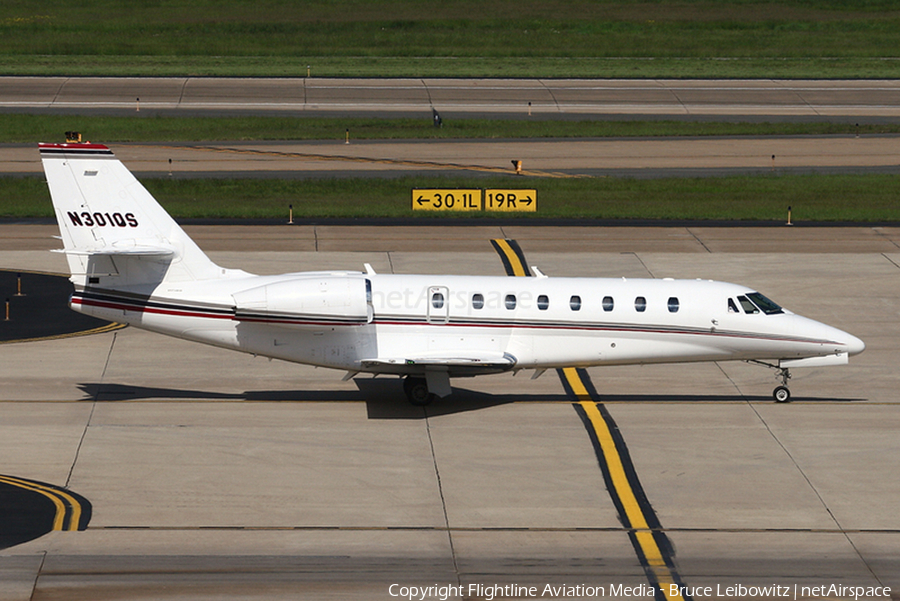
(781, 394)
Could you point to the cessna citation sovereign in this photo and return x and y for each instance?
(131, 263)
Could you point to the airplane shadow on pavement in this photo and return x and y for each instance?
(384, 398)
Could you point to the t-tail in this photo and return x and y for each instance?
(115, 234)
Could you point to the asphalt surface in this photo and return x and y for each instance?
(36, 306)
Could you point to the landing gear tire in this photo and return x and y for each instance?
(416, 390)
(781, 394)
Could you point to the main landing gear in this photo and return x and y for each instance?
(416, 390)
(781, 394)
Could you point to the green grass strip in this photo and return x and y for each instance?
(813, 197)
(453, 38)
(585, 67)
(16, 128)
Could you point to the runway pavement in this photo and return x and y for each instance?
(214, 475)
(749, 99)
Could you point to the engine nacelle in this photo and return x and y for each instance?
(316, 301)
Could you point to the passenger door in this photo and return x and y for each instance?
(438, 305)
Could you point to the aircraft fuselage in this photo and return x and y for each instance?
(342, 320)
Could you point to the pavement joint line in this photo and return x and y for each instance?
(437, 475)
(380, 161)
(737, 388)
(698, 239)
(879, 232)
(819, 496)
(37, 575)
(562, 529)
(892, 262)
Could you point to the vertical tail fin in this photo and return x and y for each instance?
(111, 226)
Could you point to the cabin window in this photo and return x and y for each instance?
(510, 301)
(478, 301)
(732, 308)
(640, 304)
(437, 300)
(608, 303)
(575, 303)
(748, 307)
(543, 302)
(673, 304)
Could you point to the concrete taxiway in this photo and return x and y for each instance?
(215, 475)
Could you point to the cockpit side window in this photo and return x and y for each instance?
(732, 308)
(768, 307)
(748, 307)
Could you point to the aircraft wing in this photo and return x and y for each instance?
(454, 365)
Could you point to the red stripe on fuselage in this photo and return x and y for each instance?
(417, 323)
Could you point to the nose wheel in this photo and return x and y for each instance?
(781, 394)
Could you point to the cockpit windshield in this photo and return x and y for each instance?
(766, 305)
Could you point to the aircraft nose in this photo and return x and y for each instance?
(854, 345)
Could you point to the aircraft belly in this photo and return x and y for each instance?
(583, 349)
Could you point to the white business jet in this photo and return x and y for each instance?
(131, 263)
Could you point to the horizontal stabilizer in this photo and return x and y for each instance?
(132, 251)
